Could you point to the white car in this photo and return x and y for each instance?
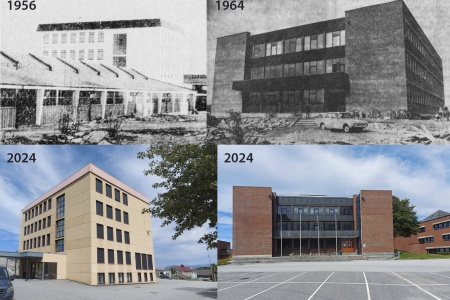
(341, 120)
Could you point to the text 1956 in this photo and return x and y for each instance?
(24, 5)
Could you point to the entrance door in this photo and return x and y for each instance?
(347, 246)
(36, 270)
(334, 101)
(26, 107)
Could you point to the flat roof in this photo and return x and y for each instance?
(17, 254)
(100, 25)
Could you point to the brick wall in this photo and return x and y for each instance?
(252, 221)
(377, 229)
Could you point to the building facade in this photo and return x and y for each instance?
(377, 57)
(90, 229)
(149, 45)
(223, 249)
(434, 235)
(266, 224)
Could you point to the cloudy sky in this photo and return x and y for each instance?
(18, 28)
(419, 173)
(261, 16)
(21, 183)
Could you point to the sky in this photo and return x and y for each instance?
(259, 16)
(21, 183)
(418, 173)
(18, 27)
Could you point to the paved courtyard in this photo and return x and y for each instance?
(69, 290)
(343, 280)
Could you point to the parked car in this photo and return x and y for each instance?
(6, 287)
(164, 276)
(340, 120)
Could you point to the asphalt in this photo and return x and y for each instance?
(69, 290)
(428, 279)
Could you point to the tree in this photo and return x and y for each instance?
(190, 181)
(405, 219)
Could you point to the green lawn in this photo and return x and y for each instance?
(408, 255)
(224, 261)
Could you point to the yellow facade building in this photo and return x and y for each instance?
(90, 229)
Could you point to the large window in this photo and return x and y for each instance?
(128, 258)
(99, 186)
(99, 208)
(118, 215)
(259, 50)
(120, 257)
(111, 277)
(82, 35)
(293, 45)
(100, 231)
(72, 54)
(108, 191)
(150, 261)
(125, 217)
(63, 38)
(110, 256)
(274, 71)
(60, 206)
(91, 37)
(81, 54)
(55, 38)
(100, 278)
(63, 54)
(91, 54)
(100, 54)
(73, 37)
(60, 228)
(144, 261)
(101, 36)
(127, 237)
(100, 255)
(109, 213)
(59, 245)
(138, 261)
(335, 38)
(120, 277)
(125, 198)
(257, 73)
(274, 48)
(284, 209)
(110, 233)
(117, 195)
(119, 235)
(120, 50)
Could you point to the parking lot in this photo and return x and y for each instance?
(344, 282)
(69, 290)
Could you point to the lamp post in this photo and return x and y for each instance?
(300, 234)
(335, 229)
(318, 234)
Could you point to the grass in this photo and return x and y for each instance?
(409, 255)
(224, 261)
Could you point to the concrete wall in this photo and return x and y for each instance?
(229, 67)
(252, 221)
(375, 52)
(377, 228)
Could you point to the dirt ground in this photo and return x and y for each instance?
(156, 129)
(403, 132)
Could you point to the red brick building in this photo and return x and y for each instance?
(223, 249)
(266, 224)
(434, 235)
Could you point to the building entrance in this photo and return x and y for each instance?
(347, 246)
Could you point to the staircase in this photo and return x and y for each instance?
(304, 123)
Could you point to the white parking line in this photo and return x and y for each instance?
(247, 282)
(319, 287)
(238, 275)
(435, 297)
(367, 286)
(439, 275)
(273, 287)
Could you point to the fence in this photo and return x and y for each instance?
(8, 117)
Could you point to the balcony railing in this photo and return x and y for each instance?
(290, 234)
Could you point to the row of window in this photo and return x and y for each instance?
(446, 237)
(441, 225)
(110, 234)
(429, 239)
(416, 41)
(439, 250)
(36, 242)
(273, 98)
(60, 206)
(109, 212)
(56, 37)
(54, 97)
(143, 261)
(420, 96)
(417, 68)
(38, 225)
(306, 43)
(64, 54)
(315, 210)
(38, 209)
(120, 276)
(314, 226)
(299, 69)
(108, 190)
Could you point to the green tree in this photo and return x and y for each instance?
(405, 219)
(190, 184)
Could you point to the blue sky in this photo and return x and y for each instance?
(419, 173)
(21, 183)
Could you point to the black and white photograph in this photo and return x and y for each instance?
(103, 72)
(328, 72)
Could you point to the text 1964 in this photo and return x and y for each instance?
(238, 157)
(23, 5)
(233, 5)
(21, 158)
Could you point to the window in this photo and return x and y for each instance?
(125, 199)
(39, 241)
(117, 195)
(293, 45)
(63, 54)
(60, 228)
(144, 261)
(48, 239)
(307, 43)
(259, 50)
(32, 213)
(314, 42)
(72, 54)
(145, 277)
(110, 256)
(55, 38)
(81, 54)
(138, 261)
(60, 245)
(99, 208)
(73, 37)
(139, 277)
(108, 191)
(40, 208)
(39, 225)
(100, 231)
(284, 209)
(46, 38)
(120, 277)
(100, 255)
(111, 277)
(91, 54)
(125, 217)
(336, 38)
(91, 37)
(119, 235)
(316, 210)
(60, 206)
(101, 36)
(82, 34)
(274, 48)
(120, 257)
(43, 240)
(100, 54)
(63, 38)
(120, 50)
(150, 262)
(128, 258)
(422, 229)
(151, 276)
(129, 278)
(118, 215)
(98, 186)
(110, 233)
(127, 237)
(54, 53)
(34, 243)
(109, 212)
(446, 237)
(100, 278)
(45, 206)
(331, 210)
